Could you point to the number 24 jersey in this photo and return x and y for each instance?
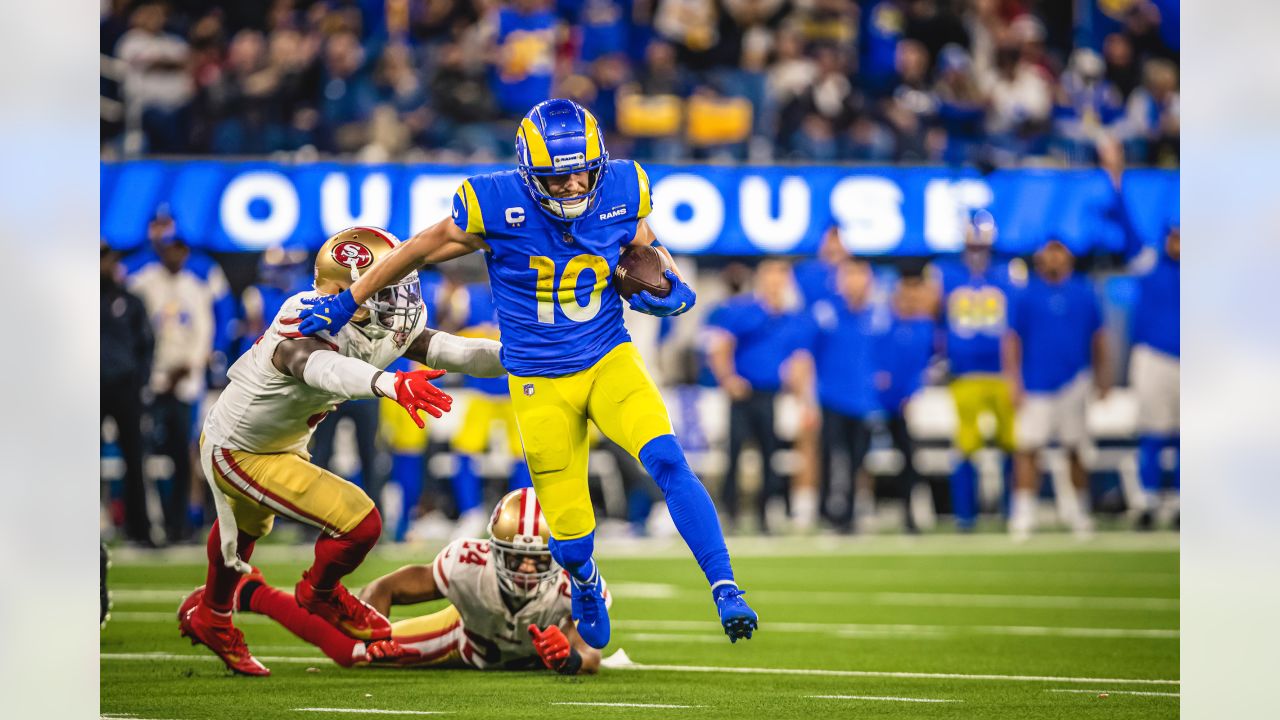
(552, 280)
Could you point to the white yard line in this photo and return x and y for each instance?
(373, 711)
(887, 674)
(844, 630)
(918, 599)
(856, 630)
(885, 698)
(653, 706)
(623, 663)
(268, 659)
(836, 597)
(817, 547)
(1114, 692)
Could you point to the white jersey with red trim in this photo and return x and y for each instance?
(494, 636)
(265, 411)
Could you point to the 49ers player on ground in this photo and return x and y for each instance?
(254, 446)
(511, 604)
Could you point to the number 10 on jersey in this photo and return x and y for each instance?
(566, 295)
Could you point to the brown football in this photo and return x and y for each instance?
(642, 268)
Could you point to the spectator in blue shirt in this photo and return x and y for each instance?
(524, 55)
(1056, 334)
(816, 277)
(757, 336)
(905, 352)
(1154, 371)
(841, 338)
(281, 275)
(162, 231)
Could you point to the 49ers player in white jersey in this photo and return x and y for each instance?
(254, 446)
(510, 604)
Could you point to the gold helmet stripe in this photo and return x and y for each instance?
(593, 136)
(539, 155)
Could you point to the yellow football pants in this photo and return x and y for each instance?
(975, 394)
(260, 486)
(618, 395)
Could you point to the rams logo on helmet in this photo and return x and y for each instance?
(352, 254)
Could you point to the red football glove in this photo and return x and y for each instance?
(551, 644)
(389, 652)
(415, 392)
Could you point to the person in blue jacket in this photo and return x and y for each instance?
(1155, 374)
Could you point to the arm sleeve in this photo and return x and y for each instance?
(466, 210)
(343, 376)
(478, 357)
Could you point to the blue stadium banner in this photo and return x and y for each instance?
(229, 206)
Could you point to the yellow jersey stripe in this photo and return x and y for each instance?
(646, 202)
(539, 155)
(475, 220)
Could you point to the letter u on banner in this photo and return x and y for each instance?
(335, 202)
(766, 230)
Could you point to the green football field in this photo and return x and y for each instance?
(932, 627)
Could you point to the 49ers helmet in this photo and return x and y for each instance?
(519, 535)
(394, 309)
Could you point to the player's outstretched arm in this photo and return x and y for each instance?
(561, 649)
(680, 300)
(438, 243)
(409, 585)
(478, 357)
(315, 363)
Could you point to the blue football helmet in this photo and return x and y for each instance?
(560, 137)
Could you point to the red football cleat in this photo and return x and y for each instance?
(341, 609)
(205, 627)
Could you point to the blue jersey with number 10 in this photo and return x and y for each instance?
(552, 280)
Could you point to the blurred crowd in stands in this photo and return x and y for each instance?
(986, 82)
(826, 392)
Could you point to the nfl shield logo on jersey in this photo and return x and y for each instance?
(528, 389)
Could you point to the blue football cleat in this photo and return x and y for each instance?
(590, 611)
(738, 619)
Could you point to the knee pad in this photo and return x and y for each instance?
(367, 531)
(575, 553)
(665, 460)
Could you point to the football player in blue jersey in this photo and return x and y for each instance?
(552, 232)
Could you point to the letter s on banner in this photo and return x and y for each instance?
(431, 200)
(335, 202)
(774, 233)
(702, 228)
(869, 212)
(280, 222)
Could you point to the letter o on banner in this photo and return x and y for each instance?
(696, 232)
(250, 232)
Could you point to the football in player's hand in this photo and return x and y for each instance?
(642, 268)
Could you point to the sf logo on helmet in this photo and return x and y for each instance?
(352, 254)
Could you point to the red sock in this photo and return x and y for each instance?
(220, 582)
(281, 607)
(336, 557)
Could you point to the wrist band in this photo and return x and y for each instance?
(572, 664)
